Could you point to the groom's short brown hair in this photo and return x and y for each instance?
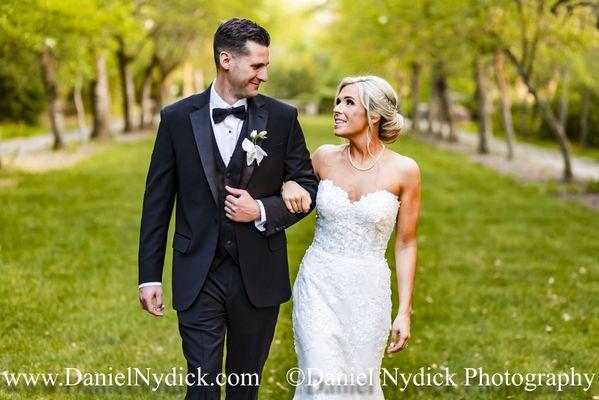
(233, 34)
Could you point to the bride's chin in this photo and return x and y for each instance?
(340, 133)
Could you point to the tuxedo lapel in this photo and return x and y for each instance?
(257, 119)
(202, 129)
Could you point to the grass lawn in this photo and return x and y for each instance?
(508, 277)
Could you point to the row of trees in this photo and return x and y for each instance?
(496, 57)
(461, 46)
(84, 51)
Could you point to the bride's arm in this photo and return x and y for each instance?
(296, 198)
(406, 253)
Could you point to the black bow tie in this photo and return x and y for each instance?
(219, 114)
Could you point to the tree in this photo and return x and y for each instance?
(405, 35)
(506, 103)
(521, 31)
(48, 65)
(483, 105)
(53, 33)
(101, 99)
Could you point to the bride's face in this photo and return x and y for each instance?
(349, 114)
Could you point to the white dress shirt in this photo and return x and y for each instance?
(226, 134)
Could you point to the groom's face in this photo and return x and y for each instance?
(248, 71)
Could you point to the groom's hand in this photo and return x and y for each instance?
(240, 206)
(149, 293)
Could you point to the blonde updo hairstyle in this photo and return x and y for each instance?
(379, 98)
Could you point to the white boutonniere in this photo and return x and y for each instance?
(252, 150)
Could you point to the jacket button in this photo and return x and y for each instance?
(229, 242)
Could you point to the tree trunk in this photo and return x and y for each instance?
(445, 103)
(563, 104)
(506, 104)
(549, 117)
(101, 100)
(483, 106)
(523, 110)
(163, 94)
(80, 108)
(433, 108)
(187, 79)
(127, 87)
(198, 81)
(552, 85)
(415, 95)
(584, 118)
(54, 106)
(147, 105)
(560, 134)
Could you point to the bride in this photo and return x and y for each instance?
(342, 294)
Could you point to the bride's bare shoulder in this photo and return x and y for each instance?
(326, 151)
(405, 167)
(324, 157)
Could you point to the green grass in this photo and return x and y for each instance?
(498, 262)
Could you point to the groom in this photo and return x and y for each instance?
(230, 269)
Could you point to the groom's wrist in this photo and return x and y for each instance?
(261, 220)
(143, 285)
(260, 215)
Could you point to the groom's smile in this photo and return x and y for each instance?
(249, 70)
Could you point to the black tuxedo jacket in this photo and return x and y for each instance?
(182, 168)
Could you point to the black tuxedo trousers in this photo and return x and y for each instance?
(221, 310)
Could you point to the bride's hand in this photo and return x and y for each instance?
(400, 333)
(297, 199)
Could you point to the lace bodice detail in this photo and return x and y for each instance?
(359, 228)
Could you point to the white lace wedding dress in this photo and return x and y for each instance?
(342, 296)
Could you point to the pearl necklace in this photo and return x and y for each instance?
(367, 168)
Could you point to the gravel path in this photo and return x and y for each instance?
(35, 153)
(12, 149)
(534, 160)
(530, 163)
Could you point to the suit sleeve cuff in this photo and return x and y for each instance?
(150, 284)
(262, 220)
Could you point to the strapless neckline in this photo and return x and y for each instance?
(362, 197)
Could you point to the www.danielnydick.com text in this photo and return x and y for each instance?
(314, 380)
(132, 377)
